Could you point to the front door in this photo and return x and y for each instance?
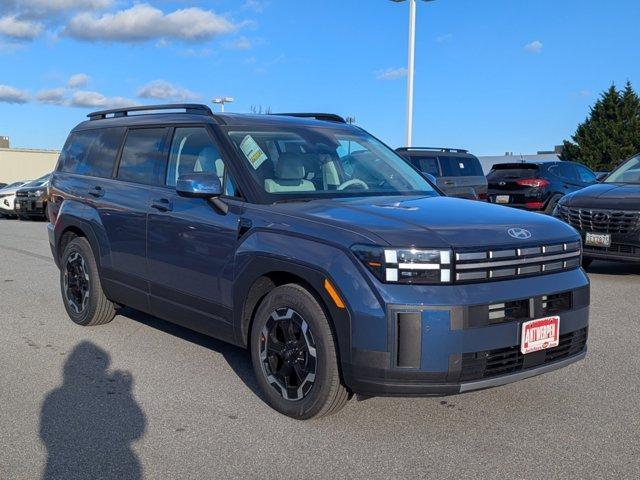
(191, 244)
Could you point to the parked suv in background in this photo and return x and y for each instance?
(607, 215)
(456, 172)
(7, 199)
(536, 186)
(31, 199)
(343, 274)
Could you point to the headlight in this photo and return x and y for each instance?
(406, 265)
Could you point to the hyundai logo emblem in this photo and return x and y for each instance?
(601, 217)
(519, 233)
(502, 184)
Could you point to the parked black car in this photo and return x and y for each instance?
(456, 172)
(607, 215)
(31, 200)
(536, 186)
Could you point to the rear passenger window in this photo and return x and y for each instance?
(460, 166)
(141, 161)
(92, 152)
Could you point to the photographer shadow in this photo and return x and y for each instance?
(89, 423)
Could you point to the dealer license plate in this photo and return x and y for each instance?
(598, 240)
(502, 198)
(540, 334)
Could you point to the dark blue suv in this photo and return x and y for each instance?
(317, 247)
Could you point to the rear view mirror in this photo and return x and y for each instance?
(199, 185)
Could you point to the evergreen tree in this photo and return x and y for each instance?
(611, 132)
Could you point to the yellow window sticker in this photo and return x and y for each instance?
(253, 152)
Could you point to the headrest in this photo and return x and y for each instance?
(290, 167)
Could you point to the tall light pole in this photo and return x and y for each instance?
(221, 101)
(410, 67)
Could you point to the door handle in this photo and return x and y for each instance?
(449, 182)
(162, 205)
(97, 192)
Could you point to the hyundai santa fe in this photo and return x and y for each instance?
(343, 274)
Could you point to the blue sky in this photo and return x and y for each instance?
(491, 75)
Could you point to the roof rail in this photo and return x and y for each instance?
(432, 149)
(327, 117)
(192, 108)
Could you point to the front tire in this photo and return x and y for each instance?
(82, 294)
(294, 355)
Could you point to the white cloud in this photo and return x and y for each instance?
(87, 99)
(241, 43)
(163, 90)
(53, 96)
(10, 47)
(12, 95)
(254, 5)
(534, 47)
(142, 22)
(78, 80)
(13, 27)
(32, 8)
(391, 73)
(447, 37)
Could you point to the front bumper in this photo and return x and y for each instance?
(30, 206)
(624, 248)
(445, 350)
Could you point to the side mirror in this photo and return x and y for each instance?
(431, 178)
(202, 185)
(601, 176)
(199, 185)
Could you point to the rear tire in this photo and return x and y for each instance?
(82, 293)
(291, 334)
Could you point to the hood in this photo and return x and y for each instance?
(614, 196)
(439, 222)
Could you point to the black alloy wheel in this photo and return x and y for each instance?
(288, 354)
(76, 282)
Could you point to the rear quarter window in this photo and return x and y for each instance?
(460, 166)
(91, 152)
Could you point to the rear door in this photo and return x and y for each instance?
(191, 244)
(123, 204)
(462, 176)
(568, 176)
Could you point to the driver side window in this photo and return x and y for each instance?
(193, 151)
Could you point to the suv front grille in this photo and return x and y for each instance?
(486, 265)
(492, 363)
(602, 221)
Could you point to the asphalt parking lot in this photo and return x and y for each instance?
(141, 398)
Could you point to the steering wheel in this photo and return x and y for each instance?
(353, 182)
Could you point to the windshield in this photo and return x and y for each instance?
(628, 172)
(312, 162)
